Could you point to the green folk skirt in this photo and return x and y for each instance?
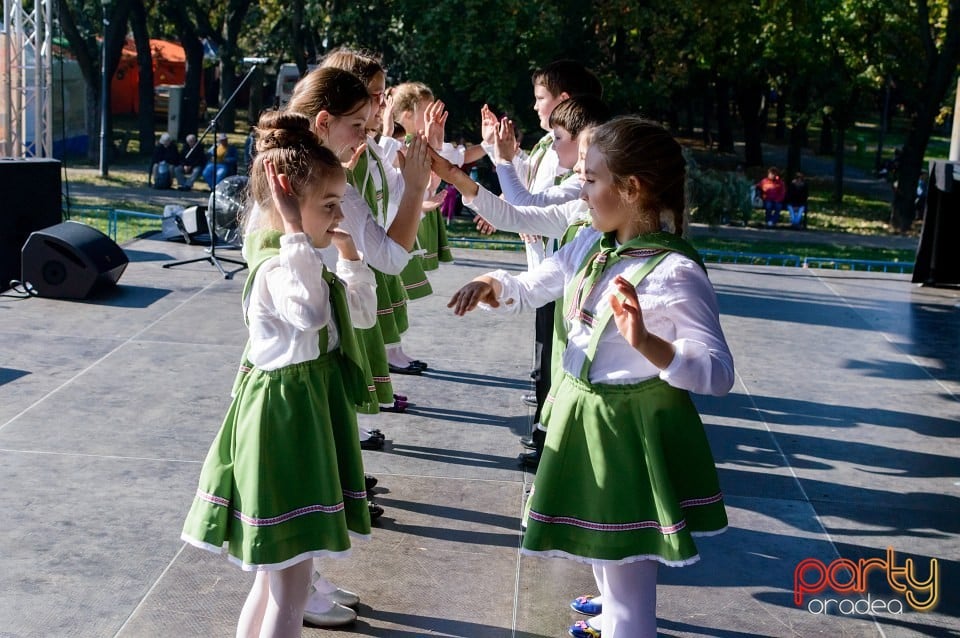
(626, 475)
(283, 480)
(414, 278)
(432, 237)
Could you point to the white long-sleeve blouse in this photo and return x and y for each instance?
(678, 304)
(289, 304)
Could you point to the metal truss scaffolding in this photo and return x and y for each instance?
(26, 79)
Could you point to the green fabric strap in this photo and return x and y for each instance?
(559, 179)
(603, 254)
(601, 323)
(361, 178)
(536, 156)
(261, 246)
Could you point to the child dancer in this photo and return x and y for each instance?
(382, 187)
(339, 105)
(274, 507)
(620, 419)
(413, 105)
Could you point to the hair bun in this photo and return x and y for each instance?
(283, 129)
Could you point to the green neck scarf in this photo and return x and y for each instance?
(361, 178)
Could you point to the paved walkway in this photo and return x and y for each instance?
(839, 440)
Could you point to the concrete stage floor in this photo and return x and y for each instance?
(839, 440)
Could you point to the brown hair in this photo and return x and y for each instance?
(407, 96)
(568, 76)
(329, 89)
(636, 147)
(361, 63)
(578, 113)
(286, 140)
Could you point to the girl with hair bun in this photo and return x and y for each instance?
(627, 478)
(283, 481)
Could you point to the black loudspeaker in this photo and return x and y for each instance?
(938, 261)
(71, 260)
(31, 201)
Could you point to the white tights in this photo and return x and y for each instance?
(274, 606)
(629, 599)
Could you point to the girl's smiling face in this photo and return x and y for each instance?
(377, 87)
(343, 134)
(603, 196)
(320, 209)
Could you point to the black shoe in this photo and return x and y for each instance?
(529, 400)
(420, 364)
(398, 406)
(370, 481)
(373, 443)
(535, 440)
(409, 369)
(375, 510)
(529, 460)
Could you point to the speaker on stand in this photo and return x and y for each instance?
(70, 261)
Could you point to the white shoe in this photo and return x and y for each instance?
(334, 617)
(345, 597)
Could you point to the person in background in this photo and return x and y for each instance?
(191, 167)
(773, 191)
(223, 155)
(166, 159)
(797, 195)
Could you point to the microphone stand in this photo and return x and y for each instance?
(212, 257)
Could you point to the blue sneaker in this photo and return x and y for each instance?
(581, 629)
(587, 605)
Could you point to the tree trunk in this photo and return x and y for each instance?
(798, 133)
(193, 50)
(838, 165)
(228, 82)
(750, 103)
(724, 121)
(707, 111)
(141, 38)
(939, 68)
(826, 135)
(780, 131)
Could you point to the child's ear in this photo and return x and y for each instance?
(564, 96)
(632, 190)
(321, 124)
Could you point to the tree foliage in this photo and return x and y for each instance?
(719, 67)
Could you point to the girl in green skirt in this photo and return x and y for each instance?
(283, 481)
(627, 479)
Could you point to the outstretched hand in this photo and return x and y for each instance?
(475, 292)
(284, 200)
(627, 314)
(484, 226)
(440, 165)
(488, 125)
(506, 140)
(415, 163)
(435, 120)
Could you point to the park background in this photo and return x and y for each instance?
(830, 87)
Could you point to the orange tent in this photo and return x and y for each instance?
(169, 67)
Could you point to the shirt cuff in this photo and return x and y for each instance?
(685, 351)
(293, 239)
